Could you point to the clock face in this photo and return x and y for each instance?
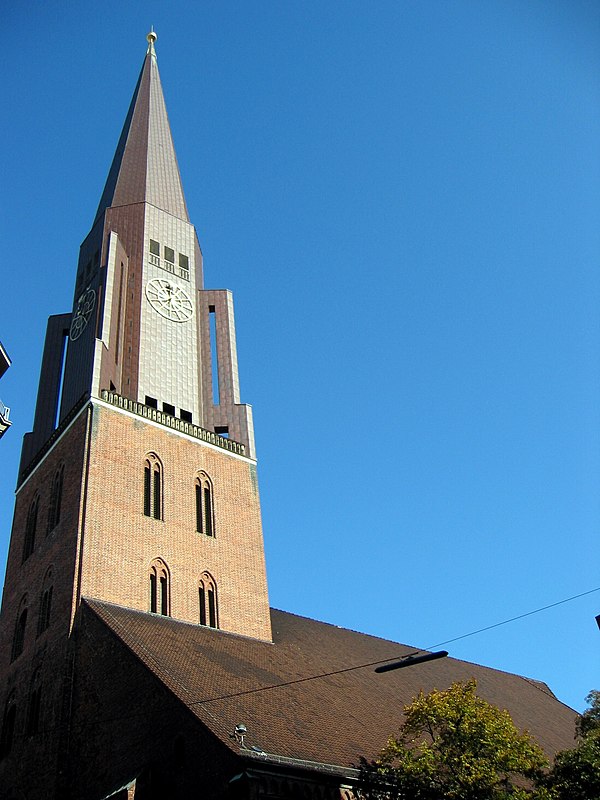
(85, 306)
(169, 300)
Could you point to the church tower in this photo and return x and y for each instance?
(137, 485)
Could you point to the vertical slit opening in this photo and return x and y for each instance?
(61, 382)
(214, 355)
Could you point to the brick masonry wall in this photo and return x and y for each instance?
(54, 550)
(102, 547)
(120, 542)
(127, 725)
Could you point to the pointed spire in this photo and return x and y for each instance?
(144, 167)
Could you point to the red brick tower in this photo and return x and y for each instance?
(138, 482)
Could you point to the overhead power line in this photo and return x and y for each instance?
(514, 619)
(129, 715)
(392, 658)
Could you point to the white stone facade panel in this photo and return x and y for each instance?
(169, 349)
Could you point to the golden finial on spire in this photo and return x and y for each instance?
(151, 37)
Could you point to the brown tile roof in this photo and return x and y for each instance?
(333, 718)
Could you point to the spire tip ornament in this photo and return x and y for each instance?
(151, 37)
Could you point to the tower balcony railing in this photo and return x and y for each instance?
(174, 423)
(5, 423)
(169, 266)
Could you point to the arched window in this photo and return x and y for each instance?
(30, 528)
(159, 588)
(19, 635)
(207, 600)
(32, 724)
(45, 603)
(56, 498)
(8, 725)
(204, 505)
(152, 487)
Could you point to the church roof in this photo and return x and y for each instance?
(144, 167)
(303, 697)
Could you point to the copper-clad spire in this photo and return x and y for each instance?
(144, 168)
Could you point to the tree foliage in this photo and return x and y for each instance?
(576, 773)
(454, 745)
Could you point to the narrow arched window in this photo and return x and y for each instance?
(20, 627)
(204, 505)
(32, 724)
(56, 498)
(30, 528)
(207, 600)
(45, 603)
(152, 487)
(159, 588)
(8, 725)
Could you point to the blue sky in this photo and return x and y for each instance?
(404, 198)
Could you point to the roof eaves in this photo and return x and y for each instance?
(273, 759)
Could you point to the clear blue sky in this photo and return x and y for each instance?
(405, 199)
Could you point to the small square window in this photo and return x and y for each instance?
(152, 402)
(169, 409)
(184, 261)
(154, 248)
(186, 416)
(222, 430)
(169, 255)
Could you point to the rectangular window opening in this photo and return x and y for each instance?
(169, 255)
(186, 416)
(212, 611)
(199, 517)
(164, 603)
(169, 409)
(147, 479)
(153, 593)
(202, 599)
(222, 430)
(151, 402)
(208, 528)
(154, 248)
(214, 355)
(156, 509)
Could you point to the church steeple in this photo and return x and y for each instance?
(142, 325)
(144, 167)
(138, 482)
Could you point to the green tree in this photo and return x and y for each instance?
(576, 773)
(454, 745)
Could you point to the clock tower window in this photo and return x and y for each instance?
(159, 588)
(152, 487)
(204, 505)
(207, 598)
(19, 637)
(30, 529)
